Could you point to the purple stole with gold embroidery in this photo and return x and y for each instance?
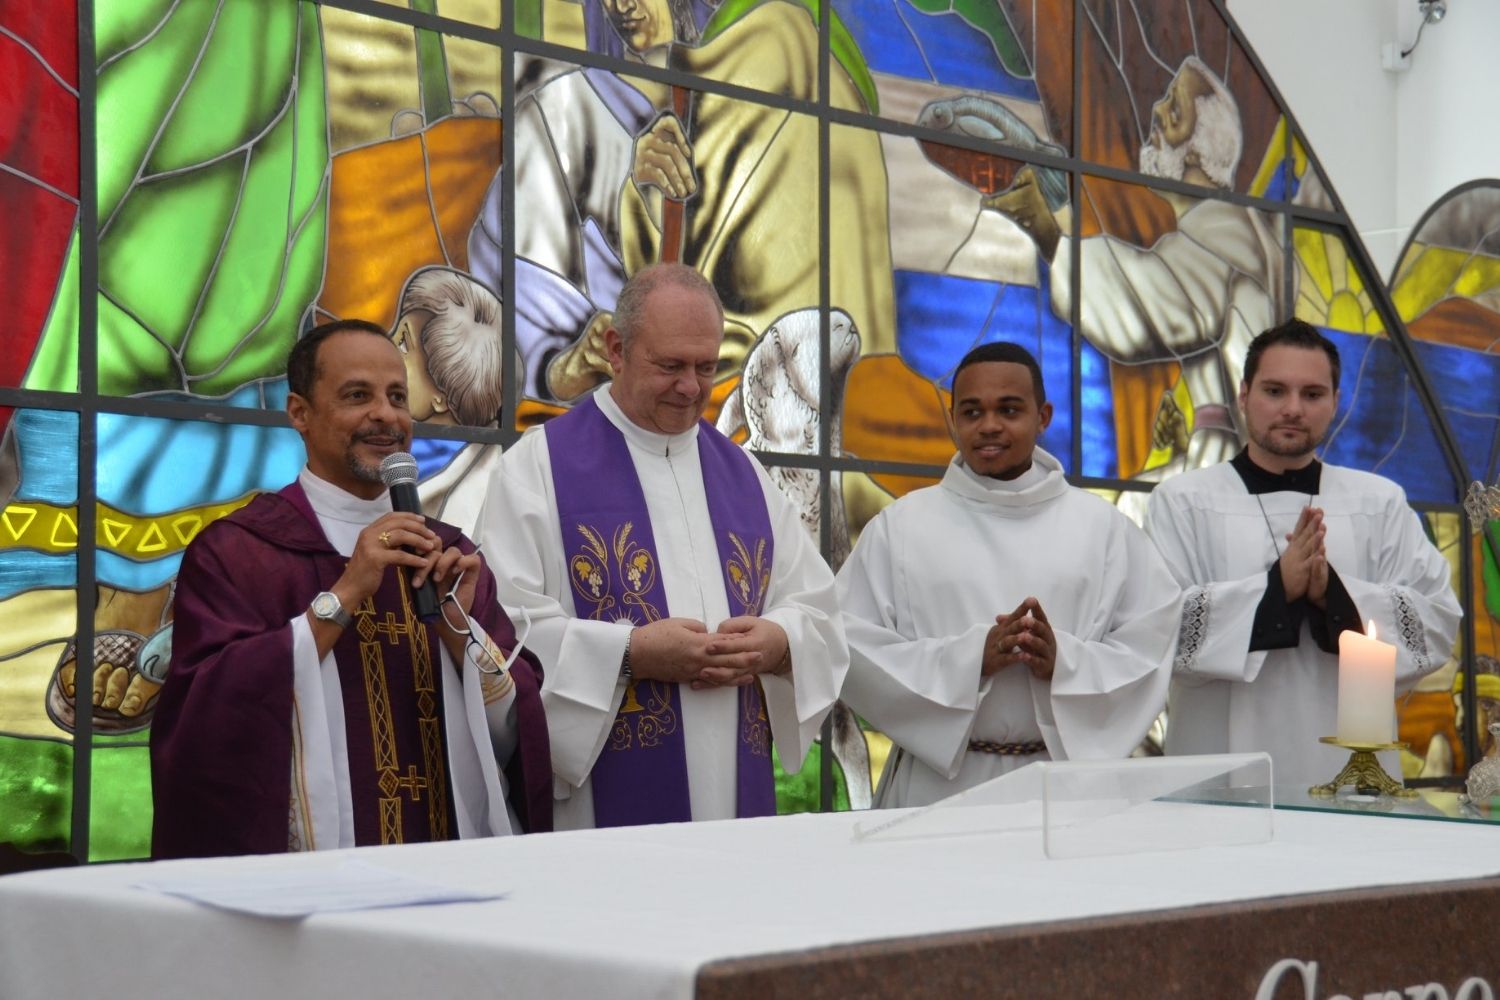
(641, 774)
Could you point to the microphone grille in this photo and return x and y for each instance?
(397, 468)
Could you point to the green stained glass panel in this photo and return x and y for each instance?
(174, 230)
(55, 365)
(229, 102)
(119, 802)
(144, 64)
(212, 160)
(36, 798)
(801, 792)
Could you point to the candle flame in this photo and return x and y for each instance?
(1370, 628)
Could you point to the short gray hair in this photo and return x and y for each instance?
(638, 289)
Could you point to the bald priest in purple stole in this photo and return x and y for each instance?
(682, 613)
(306, 705)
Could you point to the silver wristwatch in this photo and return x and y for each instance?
(327, 607)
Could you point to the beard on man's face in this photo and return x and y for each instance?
(1305, 443)
(364, 471)
(1160, 160)
(360, 470)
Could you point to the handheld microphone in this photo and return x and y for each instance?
(399, 473)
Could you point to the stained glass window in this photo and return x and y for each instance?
(485, 13)
(38, 582)
(249, 168)
(1447, 290)
(595, 203)
(38, 181)
(1166, 313)
(1427, 718)
(1150, 69)
(766, 45)
(972, 69)
(1382, 425)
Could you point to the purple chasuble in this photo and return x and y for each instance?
(390, 677)
(641, 774)
(221, 740)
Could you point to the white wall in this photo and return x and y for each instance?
(1391, 143)
(1324, 58)
(1448, 107)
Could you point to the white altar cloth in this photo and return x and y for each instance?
(636, 912)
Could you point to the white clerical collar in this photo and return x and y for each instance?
(1033, 476)
(1042, 482)
(332, 503)
(638, 436)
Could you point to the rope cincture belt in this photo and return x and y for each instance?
(1008, 749)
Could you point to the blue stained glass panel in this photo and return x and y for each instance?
(127, 574)
(47, 447)
(898, 39)
(1101, 446)
(24, 570)
(1284, 182)
(883, 36)
(1381, 425)
(48, 444)
(150, 466)
(1467, 384)
(940, 318)
(434, 454)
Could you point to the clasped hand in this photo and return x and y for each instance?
(682, 650)
(1304, 563)
(1024, 636)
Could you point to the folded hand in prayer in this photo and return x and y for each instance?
(1023, 636)
(1304, 562)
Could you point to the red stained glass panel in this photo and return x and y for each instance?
(38, 167)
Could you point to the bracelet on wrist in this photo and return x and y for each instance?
(626, 674)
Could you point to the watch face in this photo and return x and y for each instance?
(325, 605)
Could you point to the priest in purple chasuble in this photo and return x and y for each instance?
(683, 615)
(306, 705)
(1003, 616)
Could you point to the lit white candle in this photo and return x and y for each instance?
(1367, 688)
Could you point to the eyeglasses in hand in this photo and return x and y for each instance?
(479, 647)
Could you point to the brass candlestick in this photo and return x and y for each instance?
(1363, 772)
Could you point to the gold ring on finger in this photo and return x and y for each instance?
(385, 539)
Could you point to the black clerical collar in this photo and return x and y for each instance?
(1258, 480)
